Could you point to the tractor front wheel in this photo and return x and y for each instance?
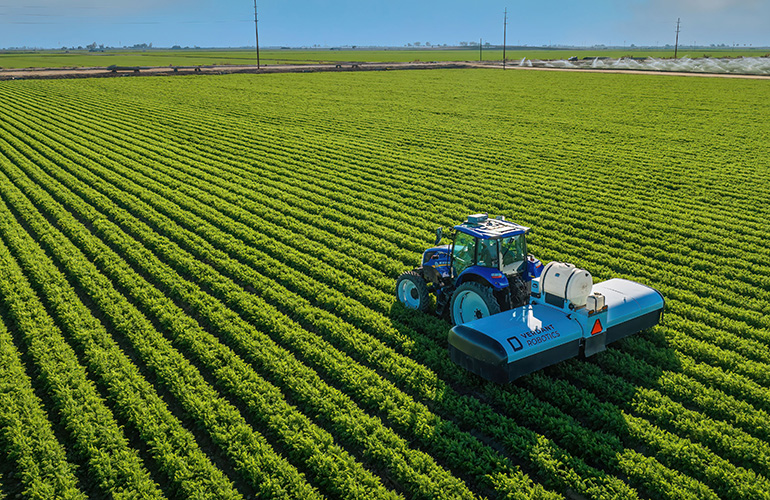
(412, 291)
(471, 301)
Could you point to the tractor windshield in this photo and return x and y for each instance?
(512, 253)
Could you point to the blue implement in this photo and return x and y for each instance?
(631, 307)
(513, 343)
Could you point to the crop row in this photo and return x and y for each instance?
(188, 271)
(250, 455)
(113, 197)
(743, 302)
(235, 111)
(176, 454)
(96, 436)
(176, 122)
(26, 436)
(349, 303)
(358, 179)
(358, 427)
(312, 400)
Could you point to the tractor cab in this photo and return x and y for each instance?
(492, 249)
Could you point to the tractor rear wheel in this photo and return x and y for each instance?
(412, 291)
(471, 301)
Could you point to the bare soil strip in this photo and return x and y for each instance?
(102, 72)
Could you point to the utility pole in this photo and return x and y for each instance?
(505, 31)
(676, 44)
(256, 30)
(479, 49)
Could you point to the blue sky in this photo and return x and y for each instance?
(56, 23)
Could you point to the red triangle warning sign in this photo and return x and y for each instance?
(597, 327)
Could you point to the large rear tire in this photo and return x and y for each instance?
(412, 291)
(472, 301)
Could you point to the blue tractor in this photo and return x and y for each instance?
(485, 270)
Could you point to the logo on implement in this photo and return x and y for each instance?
(597, 327)
(536, 336)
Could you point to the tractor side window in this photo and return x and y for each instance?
(463, 252)
(487, 253)
(512, 250)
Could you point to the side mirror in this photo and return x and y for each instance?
(438, 236)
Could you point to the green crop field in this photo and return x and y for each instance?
(80, 58)
(197, 285)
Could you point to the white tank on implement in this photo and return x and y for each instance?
(564, 281)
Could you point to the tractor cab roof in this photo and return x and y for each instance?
(481, 226)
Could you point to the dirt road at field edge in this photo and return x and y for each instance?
(102, 72)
